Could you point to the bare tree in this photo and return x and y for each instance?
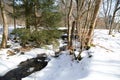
(64, 9)
(35, 14)
(86, 20)
(83, 23)
(69, 22)
(5, 25)
(83, 19)
(107, 8)
(93, 22)
(68, 7)
(14, 17)
(117, 7)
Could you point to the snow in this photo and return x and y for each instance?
(62, 28)
(30, 69)
(104, 65)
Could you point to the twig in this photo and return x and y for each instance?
(104, 48)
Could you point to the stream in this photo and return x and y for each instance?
(26, 68)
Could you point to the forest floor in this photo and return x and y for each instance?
(103, 65)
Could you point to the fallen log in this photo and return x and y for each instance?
(26, 68)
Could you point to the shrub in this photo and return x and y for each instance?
(23, 34)
(45, 37)
(40, 38)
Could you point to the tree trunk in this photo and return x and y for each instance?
(69, 22)
(111, 25)
(107, 6)
(64, 10)
(113, 17)
(72, 33)
(5, 26)
(14, 14)
(14, 17)
(35, 14)
(93, 22)
(26, 14)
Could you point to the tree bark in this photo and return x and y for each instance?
(5, 26)
(72, 33)
(69, 22)
(35, 14)
(26, 14)
(14, 14)
(93, 22)
(113, 17)
(107, 7)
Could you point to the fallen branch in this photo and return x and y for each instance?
(104, 47)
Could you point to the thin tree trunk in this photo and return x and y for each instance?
(14, 23)
(5, 26)
(69, 22)
(111, 25)
(72, 33)
(26, 14)
(14, 14)
(14, 17)
(93, 22)
(106, 10)
(84, 27)
(113, 17)
(35, 14)
(65, 5)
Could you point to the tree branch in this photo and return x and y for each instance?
(117, 9)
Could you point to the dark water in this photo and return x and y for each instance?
(23, 69)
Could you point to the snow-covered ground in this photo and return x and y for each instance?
(104, 65)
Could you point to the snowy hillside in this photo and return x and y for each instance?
(104, 65)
